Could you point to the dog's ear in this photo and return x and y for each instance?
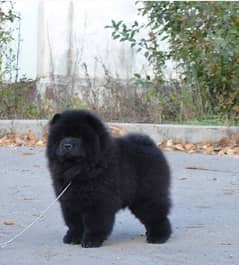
(100, 129)
(55, 118)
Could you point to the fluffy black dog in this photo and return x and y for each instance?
(107, 174)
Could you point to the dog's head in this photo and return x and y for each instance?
(76, 135)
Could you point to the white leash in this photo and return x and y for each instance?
(4, 244)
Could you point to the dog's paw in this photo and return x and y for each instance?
(71, 238)
(157, 239)
(91, 243)
(160, 233)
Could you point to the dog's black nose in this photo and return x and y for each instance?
(67, 147)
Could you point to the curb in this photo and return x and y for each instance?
(38, 127)
(159, 132)
(183, 133)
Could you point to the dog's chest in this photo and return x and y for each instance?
(82, 195)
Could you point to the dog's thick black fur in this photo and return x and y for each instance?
(107, 174)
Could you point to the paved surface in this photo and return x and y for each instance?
(205, 216)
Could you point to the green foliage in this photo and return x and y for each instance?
(17, 99)
(203, 39)
(21, 100)
(7, 17)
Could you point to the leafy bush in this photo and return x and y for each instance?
(17, 99)
(7, 17)
(203, 39)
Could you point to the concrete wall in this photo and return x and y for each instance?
(72, 33)
(58, 36)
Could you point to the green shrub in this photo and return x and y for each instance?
(203, 39)
(7, 17)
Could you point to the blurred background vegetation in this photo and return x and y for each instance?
(203, 43)
(203, 40)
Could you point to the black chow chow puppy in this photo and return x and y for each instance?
(107, 174)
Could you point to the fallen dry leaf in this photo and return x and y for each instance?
(23, 139)
(19, 141)
(189, 147)
(8, 223)
(40, 143)
(169, 143)
(209, 150)
(196, 168)
(226, 146)
(236, 149)
(221, 153)
(3, 139)
(168, 149)
(30, 136)
(179, 147)
(27, 154)
(118, 130)
(191, 151)
(224, 142)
